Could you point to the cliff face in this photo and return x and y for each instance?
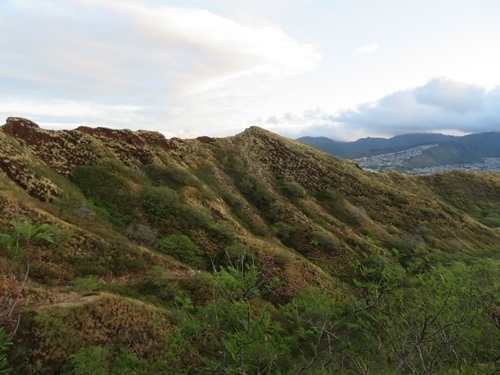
(119, 201)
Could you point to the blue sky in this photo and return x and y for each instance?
(341, 69)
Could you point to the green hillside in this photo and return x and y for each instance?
(414, 153)
(127, 253)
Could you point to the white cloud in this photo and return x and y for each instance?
(139, 61)
(440, 105)
(451, 95)
(367, 48)
(210, 48)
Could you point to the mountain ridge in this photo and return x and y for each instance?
(127, 206)
(451, 152)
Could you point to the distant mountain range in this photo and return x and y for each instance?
(417, 153)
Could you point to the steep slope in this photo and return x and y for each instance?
(148, 218)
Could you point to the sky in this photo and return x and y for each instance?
(186, 68)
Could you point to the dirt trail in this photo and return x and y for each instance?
(75, 299)
(44, 298)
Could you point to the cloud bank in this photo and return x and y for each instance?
(441, 105)
(136, 58)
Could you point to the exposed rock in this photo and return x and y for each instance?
(18, 166)
(205, 139)
(62, 150)
(130, 146)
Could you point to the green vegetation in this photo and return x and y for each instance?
(168, 175)
(4, 344)
(389, 320)
(86, 284)
(98, 360)
(247, 255)
(17, 247)
(182, 248)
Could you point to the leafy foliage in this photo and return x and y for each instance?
(229, 334)
(24, 235)
(107, 189)
(168, 175)
(182, 248)
(86, 284)
(16, 247)
(4, 344)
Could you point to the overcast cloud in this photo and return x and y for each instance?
(123, 62)
(214, 67)
(440, 105)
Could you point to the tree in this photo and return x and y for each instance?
(232, 333)
(15, 247)
(4, 344)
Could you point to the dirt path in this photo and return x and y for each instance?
(76, 300)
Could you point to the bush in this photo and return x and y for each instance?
(168, 175)
(182, 248)
(236, 255)
(86, 284)
(324, 240)
(292, 190)
(274, 212)
(163, 285)
(160, 202)
(107, 190)
(143, 234)
(190, 216)
(222, 232)
(92, 361)
(283, 258)
(282, 230)
(4, 344)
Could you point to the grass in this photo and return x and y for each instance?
(305, 217)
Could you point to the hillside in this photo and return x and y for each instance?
(142, 224)
(370, 146)
(418, 153)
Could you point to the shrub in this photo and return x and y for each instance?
(86, 284)
(160, 202)
(222, 232)
(292, 190)
(283, 258)
(275, 211)
(143, 234)
(190, 216)
(326, 195)
(324, 240)
(92, 361)
(182, 248)
(163, 284)
(282, 230)
(168, 175)
(236, 255)
(107, 190)
(4, 344)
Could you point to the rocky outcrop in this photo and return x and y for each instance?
(132, 147)
(20, 167)
(64, 150)
(61, 150)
